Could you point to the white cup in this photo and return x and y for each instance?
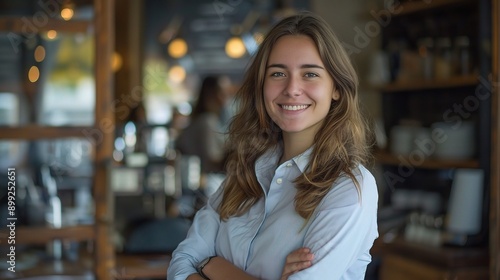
(466, 200)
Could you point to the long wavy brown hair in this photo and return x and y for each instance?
(339, 146)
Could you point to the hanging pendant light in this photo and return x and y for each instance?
(177, 48)
(235, 48)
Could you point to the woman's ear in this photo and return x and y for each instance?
(335, 95)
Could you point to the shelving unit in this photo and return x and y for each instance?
(385, 157)
(425, 101)
(412, 7)
(453, 82)
(102, 263)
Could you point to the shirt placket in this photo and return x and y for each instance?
(271, 199)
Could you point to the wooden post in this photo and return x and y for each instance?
(104, 259)
(495, 155)
(128, 38)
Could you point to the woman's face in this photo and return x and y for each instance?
(297, 88)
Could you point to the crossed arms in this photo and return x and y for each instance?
(220, 269)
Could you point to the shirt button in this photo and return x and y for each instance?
(279, 181)
(289, 164)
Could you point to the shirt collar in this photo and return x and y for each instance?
(302, 160)
(269, 160)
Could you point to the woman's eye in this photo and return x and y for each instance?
(311, 75)
(277, 74)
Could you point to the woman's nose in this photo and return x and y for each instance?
(293, 87)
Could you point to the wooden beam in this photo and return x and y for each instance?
(128, 90)
(42, 235)
(104, 39)
(25, 25)
(495, 153)
(35, 132)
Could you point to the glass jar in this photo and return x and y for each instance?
(443, 61)
(462, 56)
(426, 53)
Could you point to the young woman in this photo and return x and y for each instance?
(297, 202)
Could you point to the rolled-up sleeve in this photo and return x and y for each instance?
(342, 232)
(199, 243)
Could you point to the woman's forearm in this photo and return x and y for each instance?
(195, 276)
(220, 269)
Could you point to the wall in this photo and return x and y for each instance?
(361, 35)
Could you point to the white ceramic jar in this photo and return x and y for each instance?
(458, 140)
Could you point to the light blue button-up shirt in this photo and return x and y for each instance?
(340, 233)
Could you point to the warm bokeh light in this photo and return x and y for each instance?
(51, 34)
(235, 47)
(39, 54)
(33, 74)
(177, 48)
(177, 74)
(116, 62)
(67, 13)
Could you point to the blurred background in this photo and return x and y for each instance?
(113, 117)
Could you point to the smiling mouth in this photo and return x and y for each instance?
(294, 107)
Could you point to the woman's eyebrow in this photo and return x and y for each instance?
(312, 66)
(277, 65)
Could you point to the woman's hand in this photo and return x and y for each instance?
(296, 261)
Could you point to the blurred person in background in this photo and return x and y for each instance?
(204, 137)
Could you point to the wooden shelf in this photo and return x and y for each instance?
(50, 269)
(24, 25)
(384, 157)
(411, 7)
(42, 235)
(442, 256)
(127, 267)
(35, 132)
(397, 267)
(461, 81)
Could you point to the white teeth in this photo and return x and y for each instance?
(294, 107)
